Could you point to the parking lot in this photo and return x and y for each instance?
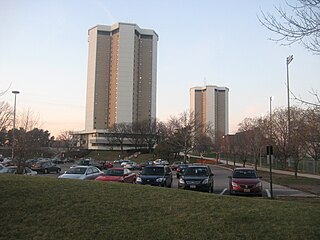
(221, 182)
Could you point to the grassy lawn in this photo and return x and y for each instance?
(50, 208)
(301, 183)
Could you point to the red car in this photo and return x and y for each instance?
(118, 175)
(245, 181)
(107, 165)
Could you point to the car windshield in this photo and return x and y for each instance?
(113, 172)
(196, 171)
(153, 171)
(76, 170)
(181, 166)
(244, 174)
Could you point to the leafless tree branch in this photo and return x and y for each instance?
(300, 25)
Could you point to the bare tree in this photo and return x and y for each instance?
(307, 103)
(120, 132)
(310, 134)
(5, 116)
(255, 138)
(3, 92)
(299, 23)
(69, 140)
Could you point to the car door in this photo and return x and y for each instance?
(128, 176)
(89, 173)
(95, 172)
(168, 176)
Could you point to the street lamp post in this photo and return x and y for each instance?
(270, 151)
(289, 60)
(14, 122)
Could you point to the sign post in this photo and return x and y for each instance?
(270, 153)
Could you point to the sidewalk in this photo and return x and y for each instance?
(306, 175)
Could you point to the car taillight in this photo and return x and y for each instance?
(178, 169)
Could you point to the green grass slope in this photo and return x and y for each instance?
(48, 208)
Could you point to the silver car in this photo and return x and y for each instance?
(82, 173)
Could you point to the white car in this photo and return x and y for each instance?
(82, 173)
(160, 162)
(124, 162)
(130, 165)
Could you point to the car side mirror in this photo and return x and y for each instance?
(260, 177)
(211, 174)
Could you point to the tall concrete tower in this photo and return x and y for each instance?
(122, 75)
(211, 106)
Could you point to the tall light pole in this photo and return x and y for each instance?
(14, 122)
(289, 60)
(270, 149)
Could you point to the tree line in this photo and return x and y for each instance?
(299, 141)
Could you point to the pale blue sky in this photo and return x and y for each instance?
(44, 49)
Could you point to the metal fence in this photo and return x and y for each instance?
(306, 165)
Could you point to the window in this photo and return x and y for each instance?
(89, 171)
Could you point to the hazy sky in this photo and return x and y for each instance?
(44, 54)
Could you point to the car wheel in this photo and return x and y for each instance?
(46, 171)
(58, 170)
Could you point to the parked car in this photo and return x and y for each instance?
(160, 162)
(13, 170)
(157, 175)
(90, 162)
(245, 181)
(197, 177)
(124, 162)
(117, 175)
(181, 169)
(82, 173)
(58, 161)
(45, 167)
(107, 165)
(175, 165)
(132, 165)
(147, 163)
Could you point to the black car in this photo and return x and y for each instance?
(45, 167)
(156, 175)
(181, 169)
(90, 162)
(197, 177)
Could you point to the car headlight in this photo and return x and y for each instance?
(138, 179)
(160, 180)
(205, 181)
(259, 184)
(234, 184)
(181, 181)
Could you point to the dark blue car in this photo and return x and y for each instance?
(156, 175)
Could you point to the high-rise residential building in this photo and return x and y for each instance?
(122, 75)
(121, 82)
(210, 105)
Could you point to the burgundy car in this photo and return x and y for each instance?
(118, 175)
(107, 165)
(245, 181)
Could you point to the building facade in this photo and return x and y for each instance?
(122, 78)
(210, 106)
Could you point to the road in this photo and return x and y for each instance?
(221, 182)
